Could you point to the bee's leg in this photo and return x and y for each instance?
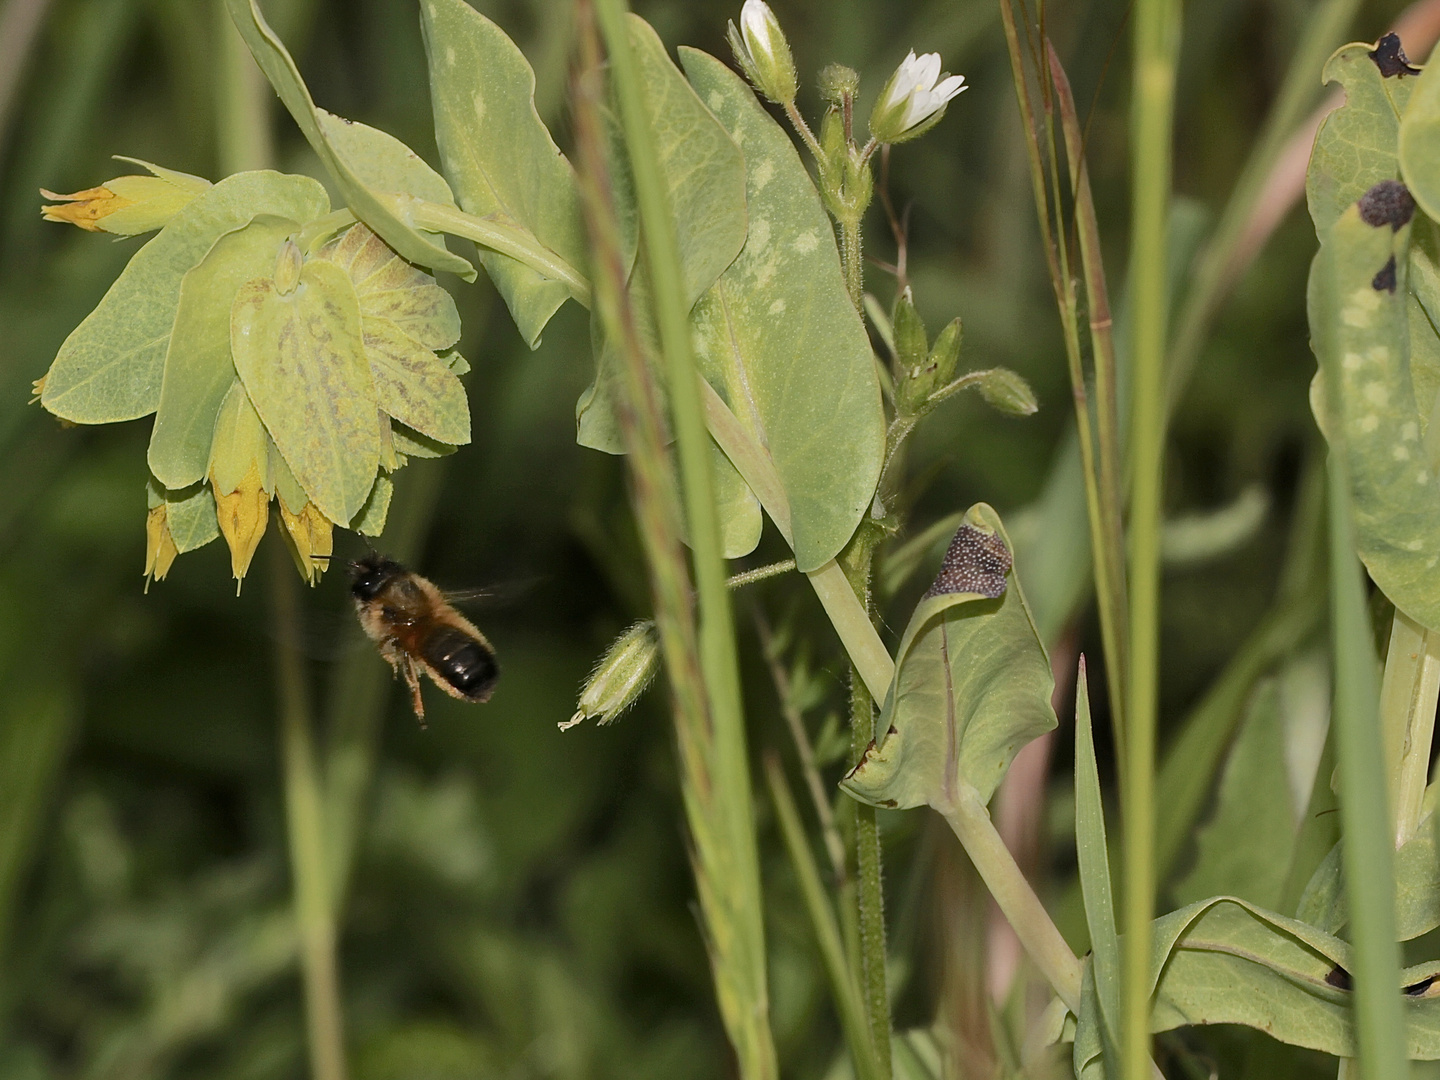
(412, 677)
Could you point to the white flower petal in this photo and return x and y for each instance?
(949, 87)
(927, 70)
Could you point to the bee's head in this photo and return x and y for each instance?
(371, 573)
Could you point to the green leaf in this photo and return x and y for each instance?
(1245, 847)
(779, 339)
(499, 155)
(972, 681)
(411, 443)
(198, 368)
(1417, 889)
(1226, 961)
(1355, 147)
(1419, 142)
(189, 514)
(111, 366)
(240, 442)
(414, 385)
(1093, 855)
(302, 359)
(364, 184)
(1364, 326)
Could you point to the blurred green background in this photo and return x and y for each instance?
(521, 902)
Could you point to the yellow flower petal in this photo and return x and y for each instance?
(84, 208)
(160, 550)
(243, 515)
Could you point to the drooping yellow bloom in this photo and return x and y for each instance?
(160, 550)
(126, 205)
(243, 514)
(312, 535)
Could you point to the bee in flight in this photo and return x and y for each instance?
(418, 630)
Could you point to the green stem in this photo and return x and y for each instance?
(850, 262)
(760, 573)
(1037, 932)
(798, 121)
(712, 734)
(304, 815)
(827, 932)
(1156, 47)
(520, 244)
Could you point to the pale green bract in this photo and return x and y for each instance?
(972, 686)
(198, 369)
(302, 359)
(240, 441)
(112, 365)
(189, 514)
(498, 154)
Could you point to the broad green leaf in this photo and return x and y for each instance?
(302, 359)
(1225, 961)
(703, 166)
(778, 337)
(1093, 854)
(362, 183)
(198, 368)
(1355, 147)
(371, 519)
(1245, 846)
(240, 442)
(972, 681)
(111, 366)
(1417, 889)
(381, 161)
(189, 514)
(1356, 317)
(414, 385)
(391, 288)
(1419, 143)
(498, 154)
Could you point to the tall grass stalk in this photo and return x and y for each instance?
(698, 645)
(1156, 49)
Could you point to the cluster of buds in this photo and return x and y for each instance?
(925, 372)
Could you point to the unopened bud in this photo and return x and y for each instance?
(837, 83)
(1004, 390)
(287, 268)
(621, 676)
(763, 53)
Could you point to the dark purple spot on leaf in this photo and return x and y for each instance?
(1390, 58)
(1339, 978)
(1384, 281)
(975, 563)
(1387, 203)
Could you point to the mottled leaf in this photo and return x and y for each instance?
(391, 288)
(972, 681)
(498, 154)
(302, 359)
(410, 443)
(198, 368)
(363, 182)
(111, 366)
(414, 385)
(778, 337)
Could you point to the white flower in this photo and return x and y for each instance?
(763, 53)
(914, 99)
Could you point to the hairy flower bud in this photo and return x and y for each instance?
(838, 82)
(620, 677)
(914, 99)
(1008, 392)
(763, 53)
(127, 205)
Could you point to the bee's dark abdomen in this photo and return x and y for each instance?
(466, 664)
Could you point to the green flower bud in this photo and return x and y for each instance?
(838, 82)
(1004, 390)
(946, 353)
(912, 356)
(763, 53)
(914, 99)
(620, 677)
